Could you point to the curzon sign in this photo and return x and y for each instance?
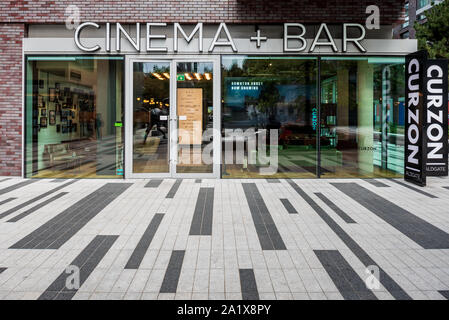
(415, 117)
(435, 84)
(294, 39)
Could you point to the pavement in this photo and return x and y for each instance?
(224, 239)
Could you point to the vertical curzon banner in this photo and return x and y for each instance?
(415, 118)
(437, 117)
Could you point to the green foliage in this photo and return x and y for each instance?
(433, 35)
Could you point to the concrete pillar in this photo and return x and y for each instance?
(365, 120)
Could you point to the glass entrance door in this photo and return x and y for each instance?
(172, 119)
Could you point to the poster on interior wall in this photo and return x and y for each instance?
(52, 118)
(415, 118)
(43, 122)
(436, 83)
(51, 94)
(190, 115)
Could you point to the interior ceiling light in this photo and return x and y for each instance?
(188, 76)
(208, 76)
(167, 75)
(157, 75)
(198, 76)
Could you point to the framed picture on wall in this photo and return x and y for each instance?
(51, 94)
(66, 91)
(64, 129)
(40, 101)
(58, 128)
(57, 108)
(57, 87)
(43, 122)
(41, 84)
(52, 117)
(43, 112)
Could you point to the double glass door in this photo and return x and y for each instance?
(172, 118)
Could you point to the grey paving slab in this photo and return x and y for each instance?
(248, 284)
(57, 231)
(7, 200)
(3, 180)
(154, 183)
(17, 186)
(377, 183)
(346, 218)
(141, 249)
(267, 232)
(203, 214)
(39, 197)
(273, 181)
(348, 282)
(172, 192)
(395, 289)
(197, 180)
(171, 278)
(37, 207)
(406, 185)
(288, 206)
(423, 233)
(85, 262)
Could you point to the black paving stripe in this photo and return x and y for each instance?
(444, 293)
(423, 233)
(266, 229)
(413, 188)
(154, 183)
(273, 180)
(39, 197)
(377, 183)
(395, 290)
(7, 200)
(171, 278)
(347, 281)
(37, 207)
(248, 284)
(57, 231)
(139, 252)
(17, 186)
(203, 214)
(6, 179)
(288, 206)
(86, 261)
(2, 269)
(334, 208)
(174, 188)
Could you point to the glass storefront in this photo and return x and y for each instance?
(74, 112)
(300, 117)
(360, 119)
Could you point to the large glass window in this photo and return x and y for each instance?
(273, 98)
(362, 117)
(74, 117)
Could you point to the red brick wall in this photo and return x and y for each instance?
(235, 11)
(11, 99)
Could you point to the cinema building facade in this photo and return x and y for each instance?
(202, 91)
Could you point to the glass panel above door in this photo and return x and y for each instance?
(151, 113)
(195, 114)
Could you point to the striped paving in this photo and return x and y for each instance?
(224, 239)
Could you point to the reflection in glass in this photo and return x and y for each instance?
(151, 110)
(74, 117)
(195, 115)
(362, 117)
(261, 94)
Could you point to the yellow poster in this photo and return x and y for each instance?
(190, 115)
